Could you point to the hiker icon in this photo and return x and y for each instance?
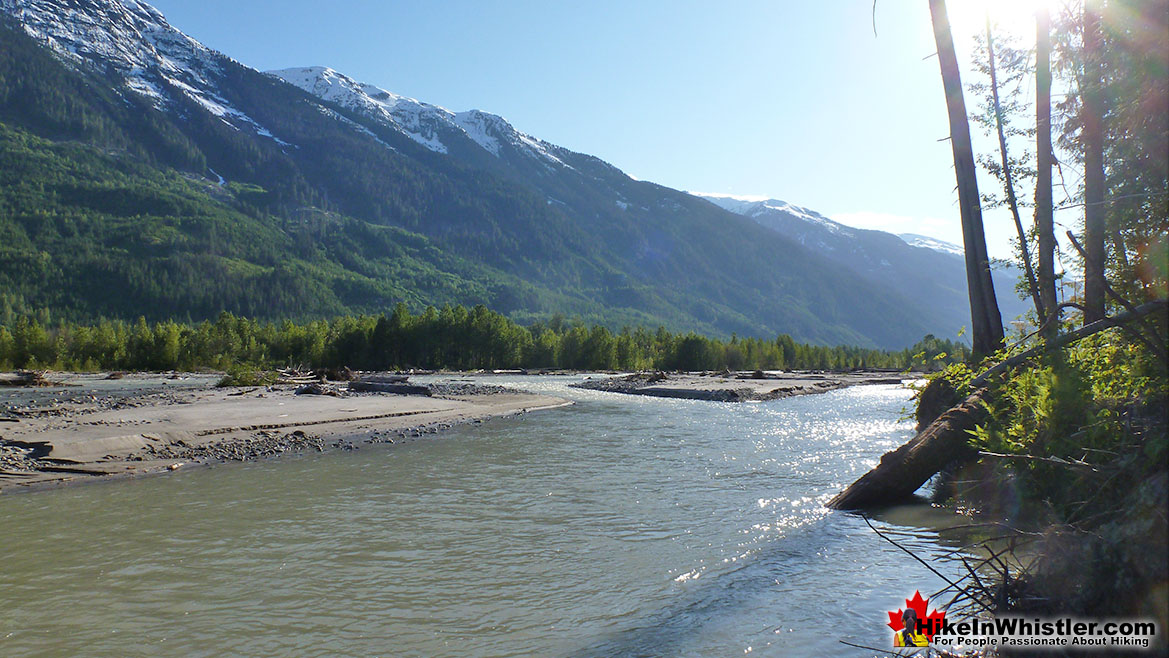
(910, 636)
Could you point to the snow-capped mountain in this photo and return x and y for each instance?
(925, 267)
(788, 218)
(430, 125)
(916, 240)
(766, 210)
(867, 251)
(814, 229)
(134, 41)
(780, 216)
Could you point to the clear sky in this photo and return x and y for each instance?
(792, 100)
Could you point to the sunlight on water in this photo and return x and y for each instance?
(619, 526)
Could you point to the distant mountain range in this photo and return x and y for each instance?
(896, 261)
(146, 174)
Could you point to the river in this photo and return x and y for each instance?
(620, 526)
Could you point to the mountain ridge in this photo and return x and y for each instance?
(898, 260)
(528, 234)
(423, 122)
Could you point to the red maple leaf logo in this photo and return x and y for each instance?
(930, 623)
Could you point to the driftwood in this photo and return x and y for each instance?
(342, 374)
(27, 378)
(903, 470)
(934, 400)
(385, 379)
(317, 388)
(296, 381)
(389, 387)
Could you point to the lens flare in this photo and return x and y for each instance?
(1013, 17)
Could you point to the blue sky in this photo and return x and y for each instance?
(792, 100)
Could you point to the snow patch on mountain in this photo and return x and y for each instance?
(479, 126)
(757, 207)
(924, 241)
(539, 149)
(430, 125)
(419, 121)
(762, 208)
(134, 40)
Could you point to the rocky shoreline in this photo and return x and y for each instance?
(754, 386)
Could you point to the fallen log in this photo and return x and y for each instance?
(383, 379)
(945, 440)
(384, 387)
(902, 471)
(297, 381)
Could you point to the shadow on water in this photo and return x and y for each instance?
(790, 569)
(670, 630)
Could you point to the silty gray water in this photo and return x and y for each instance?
(619, 526)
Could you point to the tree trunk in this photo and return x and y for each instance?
(986, 321)
(902, 471)
(1093, 143)
(1008, 180)
(1044, 222)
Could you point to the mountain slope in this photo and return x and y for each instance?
(923, 268)
(598, 195)
(465, 207)
(108, 160)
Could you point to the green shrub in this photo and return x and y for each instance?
(247, 376)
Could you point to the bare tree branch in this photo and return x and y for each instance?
(927, 565)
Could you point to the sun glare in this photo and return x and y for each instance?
(1013, 17)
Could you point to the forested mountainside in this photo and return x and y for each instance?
(144, 174)
(889, 260)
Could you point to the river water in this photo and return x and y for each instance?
(620, 526)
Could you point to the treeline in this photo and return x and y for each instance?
(454, 337)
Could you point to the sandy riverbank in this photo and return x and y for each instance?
(75, 437)
(738, 387)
